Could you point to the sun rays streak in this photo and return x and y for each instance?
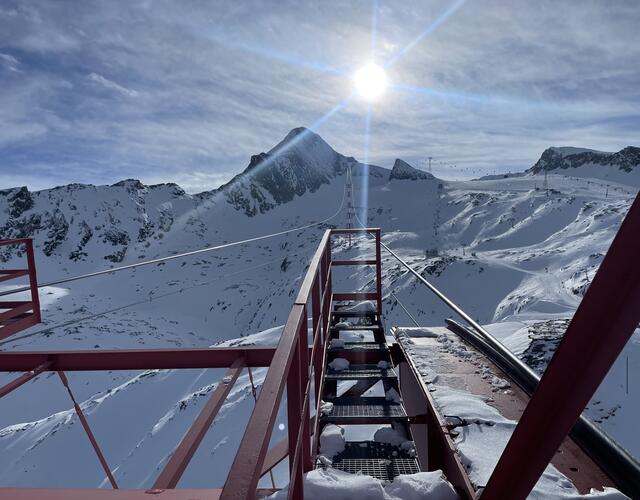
(374, 28)
(364, 190)
(430, 29)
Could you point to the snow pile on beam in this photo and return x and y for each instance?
(321, 484)
(481, 432)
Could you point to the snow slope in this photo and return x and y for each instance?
(507, 252)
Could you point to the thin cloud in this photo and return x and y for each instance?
(165, 93)
(111, 85)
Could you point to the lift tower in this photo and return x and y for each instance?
(350, 207)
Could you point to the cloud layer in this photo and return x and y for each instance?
(186, 91)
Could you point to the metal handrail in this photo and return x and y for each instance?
(297, 368)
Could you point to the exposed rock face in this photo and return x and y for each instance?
(78, 221)
(302, 162)
(402, 170)
(626, 159)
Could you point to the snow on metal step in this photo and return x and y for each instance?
(380, 460)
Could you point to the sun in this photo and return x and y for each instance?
(370, 81)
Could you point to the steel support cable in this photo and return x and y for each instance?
(617, 462)
(176, 256)
(136, 303)
(404, 308)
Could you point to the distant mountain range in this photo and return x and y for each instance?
(555, 158)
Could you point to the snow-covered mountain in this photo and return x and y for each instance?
(509, 253)
(623, 166)
(402, 170)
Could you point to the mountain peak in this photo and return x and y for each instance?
(565, 157)
(301, 162)
(402, 170)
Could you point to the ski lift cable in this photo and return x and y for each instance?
(176, 256)
(136, 303)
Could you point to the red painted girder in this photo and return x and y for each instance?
(337, 296)
(182, 455)
(279, 451)
(24, 378)
(89, 432)
(354, 230)
(9, 274)
(247, 466)
(136, 359)
(599, 330)
(19, 323)
(15, 309)
(102, 494)
(360, 262)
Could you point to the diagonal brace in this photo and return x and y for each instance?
(182, 455)
(87, 429)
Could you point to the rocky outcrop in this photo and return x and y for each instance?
(626, 159)
(403, 171)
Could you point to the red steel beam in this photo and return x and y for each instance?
(599, 330)
(102, 494)
(361, 262)
(378, 272)
(136, 359)
(15, 309)
(87, 429)
(435, 447)
(9, 274)
(33, 280)
(24, 378)
(246, 469)
(353, 230)
(18, 324)
(279, 451)
(355, 296)
(181, 457)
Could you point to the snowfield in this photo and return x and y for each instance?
(511, 254)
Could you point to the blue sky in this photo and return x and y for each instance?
(186, 91)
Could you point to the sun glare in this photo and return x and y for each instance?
(370, 81)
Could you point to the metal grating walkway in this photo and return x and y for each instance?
(380, 460)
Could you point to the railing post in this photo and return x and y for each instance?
(33, 281)
(316, 323)
(378, 273)
(294, 409)
(304, 382)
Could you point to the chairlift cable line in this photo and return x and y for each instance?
(136, 303)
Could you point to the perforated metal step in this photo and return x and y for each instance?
(364, 410)
(342, 313)
(361, 346)
(380, 460)
(355, 372)
(374, 327)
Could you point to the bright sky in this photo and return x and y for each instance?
(98, 91)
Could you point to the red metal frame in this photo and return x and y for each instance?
(604, 321)
(600, 328)
(293, 363)
(434, 445)
(18, 315)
